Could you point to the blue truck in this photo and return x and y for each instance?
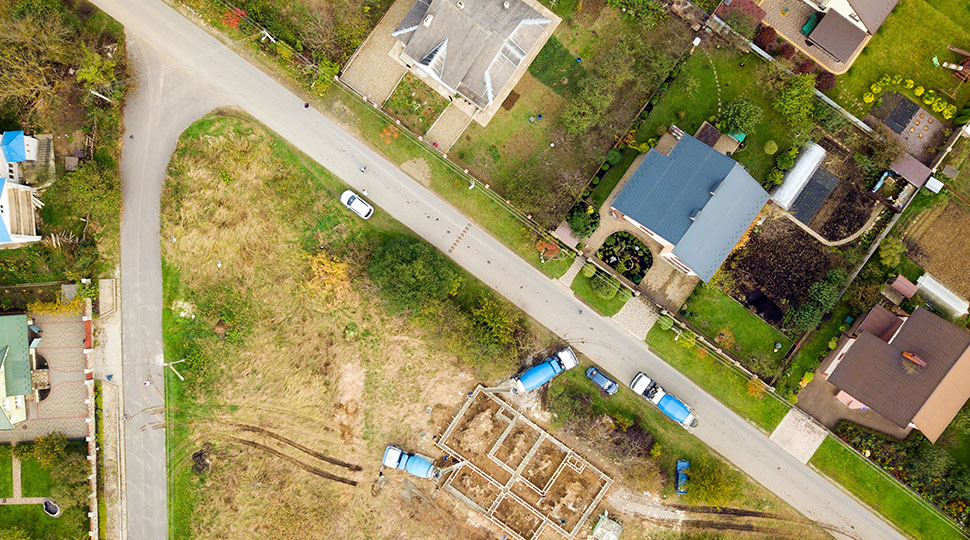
(419, 466)
(544, 371)
(668, 404)
(682, 467)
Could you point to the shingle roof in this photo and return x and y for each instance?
(880, 322)
(16, 366)
(872, 369)
(472, 46)
(912, 169)
(665, 192)
(873, 12)
(837, 36)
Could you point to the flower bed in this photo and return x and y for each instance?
(911, 461)
(415, 104)
(627, 255)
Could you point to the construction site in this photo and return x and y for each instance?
(515, 473)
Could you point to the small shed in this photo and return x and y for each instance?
(933, 185)
(904, 286)
(941, 297)
(912, 170)
(797, 178)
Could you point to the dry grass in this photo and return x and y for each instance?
(935, 242)
(242, 214)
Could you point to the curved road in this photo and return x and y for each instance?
(183, 73)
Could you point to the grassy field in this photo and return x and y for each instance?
(739, 75)
(911, 36)
(729, 387)
(740, 330)
(583, 288)
(6, 472)
(884, 495)
(427, 167)
(72, 525)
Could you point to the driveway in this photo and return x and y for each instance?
(206, 72)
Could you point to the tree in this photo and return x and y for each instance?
(96, 73)
(891, 251)
(765, 37)
(581, 221)
(785, 161)
(497, 321)
(795, 101)
(48, 450)
(604, 286)
(92, 191)
(70, 487)
(710, 482)
(411, 273)
(741, 115)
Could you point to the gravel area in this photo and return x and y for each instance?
(637, 317)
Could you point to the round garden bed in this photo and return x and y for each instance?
(627, 255)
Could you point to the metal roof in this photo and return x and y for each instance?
(872, 369)
(837, 36)
(472, 46)
(13, 146)
(16, 366)
(912, 169)
(672, 196)
(873, 12)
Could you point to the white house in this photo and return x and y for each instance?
(18, 201)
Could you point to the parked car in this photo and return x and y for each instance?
(545, 371)
(356, 205)
(668, 404)
(682, 467)
(607, 384)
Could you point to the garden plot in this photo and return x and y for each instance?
(936, 241)
(520, 477)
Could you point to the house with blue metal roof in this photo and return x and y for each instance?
(18, 201)
(696, 202)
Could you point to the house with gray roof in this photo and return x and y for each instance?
(474, 50)
(696, 202)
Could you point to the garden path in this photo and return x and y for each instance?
(448, 127)
(18, 497)
(872, 220)
(717, 82)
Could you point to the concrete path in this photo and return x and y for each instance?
(18, 497)
(799, 435)
(178, 61)
(637, 316)
(448, 127)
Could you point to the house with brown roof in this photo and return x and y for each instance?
(844, 26)
(913, 370)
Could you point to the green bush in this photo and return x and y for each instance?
(776, 176)
(604, 286)
(897, 79)
(918, 91)
(605, 167)
(771, 147)
(583, 220)
(891, 252)
(741, 115)
(614, 156)
(908, 84)
(785, 161)
(868, 97)
(589, 270)
(876, 88)
(410, 273)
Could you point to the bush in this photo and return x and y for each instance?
(868, 97)
(582, 221)
(776, 176)
(711, 483)
(908, 84)
(786, 51)
(785, 161)
(605, 286)
(825, 81)
(795, 101)
(771, 147)
(765, 37)
(410, 273)
(589, 270)
(918, 91)
(891, 251)
(614, 156)
(876, 88)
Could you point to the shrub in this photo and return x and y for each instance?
(891, 252)
(918, 91)
(711, 482)
(897, 79)
(741, 115)
(825, 81)
(868, 97)
(589, 270)
(876, 88)
(776, 176)
(605, 167)
(885, 80)
(614, 156)
(411, 273)
(795, 100)
(765, 36)
(785, 161)
(908, 84)
(582, 221)
(806, 67)
(604, 286)
(786, 51)
(771, 147)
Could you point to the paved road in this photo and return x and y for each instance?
(206, 74)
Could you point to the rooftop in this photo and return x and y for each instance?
(875, 372)
(13, 146)
(837, 36)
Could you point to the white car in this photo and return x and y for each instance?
(356, 205)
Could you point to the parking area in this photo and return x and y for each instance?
(62, 408)
(516, 474)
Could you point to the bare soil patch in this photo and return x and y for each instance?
(938, 242)
(518, 518)
(419, 169)
(476, 487)
(845, 211)
(516, 445)
(543, 464)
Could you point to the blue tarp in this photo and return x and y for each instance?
(540, 374)
(13, 146)
(673, 408)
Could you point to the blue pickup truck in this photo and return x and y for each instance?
(545, 371)
(668, 404)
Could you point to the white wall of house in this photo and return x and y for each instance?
(841, 6)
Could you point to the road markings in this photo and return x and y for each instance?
(460, 236)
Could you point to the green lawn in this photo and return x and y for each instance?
(6, 472)
(476, 204)
(727, 385)
(912, 35)
(739, 75)
(35, 480)
(612, 177)
(957, 158)
(582, 287)
(813, 351)
(886, 496)
(716, 313)
(415, 104)
(72, 525)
